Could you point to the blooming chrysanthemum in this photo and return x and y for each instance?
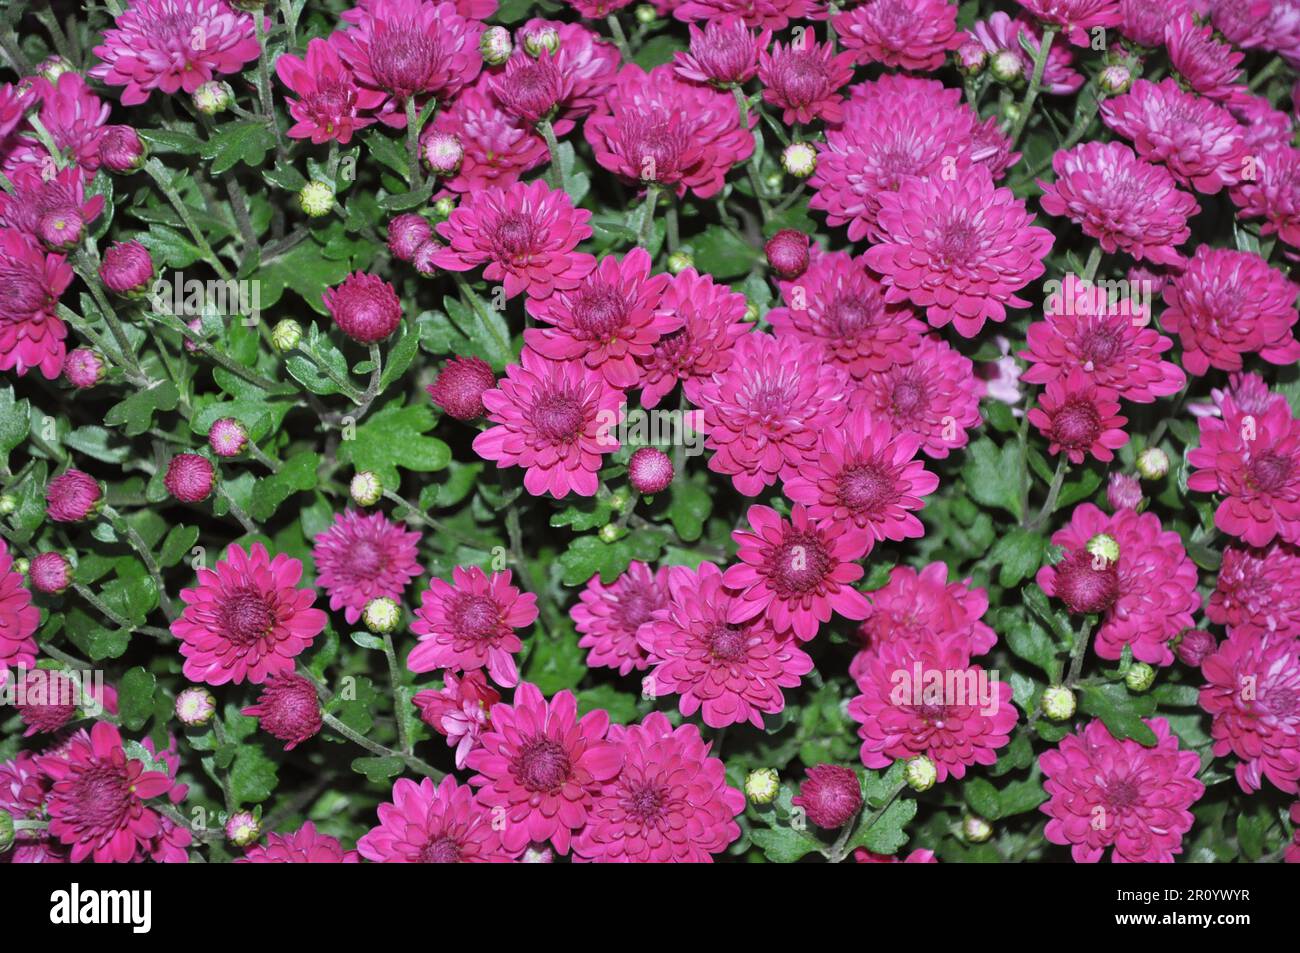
(304, 846)
(1079, 418)
(915, 605)
(331, 106)
(731, 672)
(459, 711)
(23, 790)
(670, 803)
(364, 556)
(47, 700)
(173, 45)
(1227, 303)
(918, 856)
(762, 413)
(542, 766)
(73, 116)
(840, 306)
(524, 233)
(498, 147)
(960, 248)
(926, 698)
(18, 617)
(796, 572)
(1199, 141)
(770, 14)
(1207, 66)
(1262, 126)
(554, 419)
(246, 619)
(15, 99)
(470, 623)
(1075, 18)
(1273, 194)
(935, 395)
(31, 334)
(724, 53)
(1143, 22)
(1124, 202)
(1147, 596)
(1249, 394)
(610, 321)
(428, 824)
(563, 85)
(289, 709)
(41, 197)
(804, 80)
(656, 129)
(1258, 590)
(609, 617)
(713, 319)
(1104, 793)
(1252, 683)
(908, 34)
(1001, 35)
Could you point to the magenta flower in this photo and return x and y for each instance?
(804, 80)
(554, 420)
(288, 709)
(1079, 418)
(1258, 590)
(1001, 35)
(769, 14)
(459, 711)
(960, 248)
(542, 767)
(610, 617)
(497, 147)
(330, 106)
(1143, 22)
(304, 846)
(611, 320)
(934, 395)
(73, 496)
(41, 199)
(796, 572)
(1149, 592)
(723, 54)
(24, 787)
(424, 824)
(173, 45)
(1274, 194)
(918, 856)
(831, 795)
(1105, 794)
(908, 34)
(1207, 66)
(670, 803)
(73, 116)
(18, 618)
(246, 619)
(31, 334)
(914, 605)
(470, 624)
(364, 556)
(1075, 18)
(564, 85)
(460, 385)
(524, 234)
(732, 672)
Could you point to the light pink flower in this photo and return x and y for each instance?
(1273, 194)
(428, 824)
(364, 556)
(725, 53)
(935, 395)
(610, 617)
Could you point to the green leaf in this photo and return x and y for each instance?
(723, 254)
(992, 475)
(556, 663)
(389, 151)
(484, 327)
(400, 356)
(690, 505)
(167, 140)
(885, 835)
(587, 513)
(394, 437)
(236, 142)
(180, 540)
(135, 414)
(1121, 712)
(588, 555)
(298, 473)
(1029, 640)
(377, 770)
(308, 373)
(135, 697)
(983, 798)
(15, 422)
(1018, 555)
(621, 706)
(1020, 797)
(785, 845)
(252, 775)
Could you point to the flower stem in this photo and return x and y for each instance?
(395, 681)
(158, 172)
(1035, 83)
(1054, 491)
(413, 143)
(648, 217)
(146, 556)
(620, 38)
(411, 761)
(554, 174)
(264, 84)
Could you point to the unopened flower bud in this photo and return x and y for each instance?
(646, 13)
(679, 261)
(752, 311)
(972, 57)
(536, 853)
(1123, 492)
(50, 573)
(787, 253)
(495, 45)
(799, 159)
(1057, 702)
(227, 437)
(286, 335)
(52, 67)
(213, 97)
(442, 153)
(831, 795)
(649, 470)
(127, 269)
(541, 38)
(243, 829)
(1195, 647)
(60, 228)
(1153, 463)
(189, 478)
(195, 707)
(762, 785)
(1140, 677)
(444, 207)
(366, 489)
(8, 503)
(975, 829)
(316, 198)
(121, 150)
(83, 368)
(920, 773)
(1006, 67)
(73, 496)
(1114, 80)
(381, 615)
(610, 533)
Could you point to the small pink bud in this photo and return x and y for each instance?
(289, 709)
(459, 387)
(50, 573)
(424, 255)
(406, 233)
(127, 269)
(649, 471)
(830, 796)
(73, 497)
(83, 368)
(1195, 647)
(1124, 492)
(787, 253)
(120, 149)
(365, 307)
(442, 152)
(189, 477)
(227, 437)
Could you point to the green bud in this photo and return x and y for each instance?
(213, 97)
(366, 489)
(316, 198)
(920, 773)
(286, 335)
(1104, 547)
(1057, 703)
(799, 159)
(975, 829)
(1153, 463)
(762, 785)
(1140, 677)
(8, 503)
(679, 261)
(382, 615)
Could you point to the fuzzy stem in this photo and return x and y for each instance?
(1035, 83)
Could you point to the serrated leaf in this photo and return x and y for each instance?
(377, 770)
(992, 475)
(253, 775)
(395, 437)
(135, 697)
(785, 845)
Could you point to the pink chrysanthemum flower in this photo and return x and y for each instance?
(713, 319)
(1143, 21)
(566, 84)
(609, 617)
(1228, 303)
(97, 797)
(24, 788)
(1079, 418)
(1249, 394)
(960, 248)
(1253, 462)
(73, 496)
(934, 395)
(304, 846)
(655, 129)
(1273, 194)
(246, 619)
(1000, 34)
(554, 420)
(1148, 594)
(840, 306)
(918, 856)
(914, 605)
(763, 412)
(1076, 18)
(670, 803)
(424, 824)
(459, 711)
(1124, 202)
(804, 80)
(1258, 590)
(14, 101)
(1105, 794)
(31, 334)
(1252, 683)
(1198, 141)
(50, 699)
(769, 14)
(498, 147)
(1207, 66)
(831, 795)
(524, 233)
(40, 196)
(610, 321)
(542, 766)
(1262, 126)
(908, 34)
(470, 623)
(731, 672)
(18, 617)
(364, 556)
(724, 54)
(1109, 342)
(73, 116)
(926, 698)
(865, 476)
(153, 46)
(330, 106)
(796, 572)
(289, 709)
(410, 50)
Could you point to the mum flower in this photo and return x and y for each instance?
(173, 45)
(24, 788)
(31, 334)
(769, 14)
(304, 846)
(1105, 794)
(364, 556)
(915, 605)
(331, 106)
(796, 572)
(470, 623)
(723, 54)
(1258, 590)
(73, 496)
(524, 233)
(611, 320)
(1075, 18)
(804, 79)
(428, 824)
(908, 34)
(670, 802)
(1001, 35)
(497, 147)
(18, 617)
(73, 116)
(542, 766)
(1143, 22)
(459, 711)
(563, 85)
(935, 395)
(958, 247)
(918, 856)
(1273, 194)
(554, 420)
(731, 672)
(246, 619)
(1079, 418)
(288, 709)
(610, 617)
(1124, 202)
(43, 199)
(1207, 66)
(1146, 597)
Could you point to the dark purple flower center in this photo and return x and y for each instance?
(516, 237)
(405, 60)
(727, 643)
(1100, 347)
(542, 765)
(1269, 471)
(557, 417)
(1086, 583)
(866, 487)
(654, 146)
(1076, 425)
(1281, 701)
(474, 616)
(442, 850)
(100, 797)
(799, 564)
(803, 78)
(1123, 793)
(366, 558)
(599, 310)
(246, 616)
(646, 802)
(635, 608)
(907, 397)
(848, 317)
(956, 241)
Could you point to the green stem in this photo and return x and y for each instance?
(1079, 651)
(1035, 83)
(237, 511)
(620, 38)
(413, 143)
(1054, 491)
(395, 681)
(1268, 72)
(146, 556)
(648, 218)
(554, 174)
(411, 761)
(1094, 261)
(158, 172)
(264, 84)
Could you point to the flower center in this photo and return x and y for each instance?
(655, 146)
(848, 317)
(101, 797)
(444, 850)
(405, 60)
(1123, 793)
(1269, 471)
(727, 643)
(245, 617)
(799, 564)
(599, 310)
(804, 78)
(515, 237)
(1087, 583)
(366, 558)
(956, 241)
(646, 802)
(1281, 701)
(475, 617)
(635, 608)
(907, 397)
(1076, 425)
(557, 417)
(1099, 346)
(542, 766)
(866, 487)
